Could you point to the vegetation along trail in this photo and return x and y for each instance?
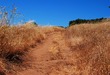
(77, 50)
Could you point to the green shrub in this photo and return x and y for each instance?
(80, 21)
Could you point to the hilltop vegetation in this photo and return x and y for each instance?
(34, 50)
(82, 21)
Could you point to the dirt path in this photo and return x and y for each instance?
(46, 54)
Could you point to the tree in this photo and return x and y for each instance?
(80, 21)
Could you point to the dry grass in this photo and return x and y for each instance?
(78, 50)
(14, 39)
(15, 42)
(50, 29)
(92, 47)
(88, 53)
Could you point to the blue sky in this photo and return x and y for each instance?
(59, 12)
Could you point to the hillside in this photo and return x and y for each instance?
(33, 50)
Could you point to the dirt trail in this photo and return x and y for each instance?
(45, 54)
(78, 50)
(61, 54)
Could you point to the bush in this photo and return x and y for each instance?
(80, 21)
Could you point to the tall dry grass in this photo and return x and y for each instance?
(88, 51)
(15, 43)
(14, 39)
(77, 50)
(91, 47)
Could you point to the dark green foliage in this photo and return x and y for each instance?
(80, 21)
(35, 23)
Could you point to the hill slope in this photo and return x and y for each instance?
(78, 50)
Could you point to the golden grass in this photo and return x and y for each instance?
(15, 42)
(46, 30)
(92, 48)
(88, 53)
(18, 38)
(77, 50)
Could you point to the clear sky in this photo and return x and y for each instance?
(60, 12)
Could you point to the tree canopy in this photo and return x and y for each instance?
(80, 21)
